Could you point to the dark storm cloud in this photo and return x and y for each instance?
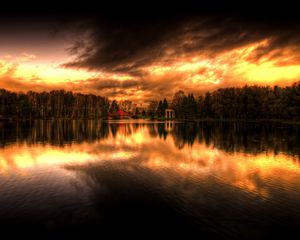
(121, 42)
(123, 37)
(123, 48)
(100, 84)
(125, 45)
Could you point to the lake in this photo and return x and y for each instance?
(237, 180)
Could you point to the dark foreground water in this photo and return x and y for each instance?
(62, 179)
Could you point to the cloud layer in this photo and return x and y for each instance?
(144, 55)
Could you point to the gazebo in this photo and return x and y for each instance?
(169, 113)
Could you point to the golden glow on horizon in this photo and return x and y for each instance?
(268, 73)
(198, 71)
(234, 65)
(51, 74)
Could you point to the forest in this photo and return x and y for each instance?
(54, 104)
(248, 102)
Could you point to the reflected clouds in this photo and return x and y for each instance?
(251, 163)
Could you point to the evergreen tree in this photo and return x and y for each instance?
(159, 110)
(114, 106)
(165, 105)
(207, 105)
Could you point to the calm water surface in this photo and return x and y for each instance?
(142, 178)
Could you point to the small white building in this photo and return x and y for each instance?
(169, 113)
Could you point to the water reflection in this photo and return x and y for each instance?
(228, 136)
(241, 177)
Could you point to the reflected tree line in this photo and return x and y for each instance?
(54, 132)
(229, 136)
(240, 136)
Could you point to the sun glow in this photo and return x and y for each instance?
(197, 72)
(269, 73)
(51, 73)
(235, 66)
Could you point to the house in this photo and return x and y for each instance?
(120, 114)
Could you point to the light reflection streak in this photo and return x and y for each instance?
(250, 172)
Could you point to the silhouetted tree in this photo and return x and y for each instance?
(207, 105)
(160, 110)
(114, 106)
(152, 109)
(177, 104)
(165, 105)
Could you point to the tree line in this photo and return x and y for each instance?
(54, 104)
(248, 102)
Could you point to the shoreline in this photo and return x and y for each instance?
(197, 120)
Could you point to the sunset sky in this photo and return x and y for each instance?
(145, 55)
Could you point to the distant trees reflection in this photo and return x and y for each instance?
(229, 136)
(55, 132)
(240, 136)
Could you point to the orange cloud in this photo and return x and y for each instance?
(196, 72)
